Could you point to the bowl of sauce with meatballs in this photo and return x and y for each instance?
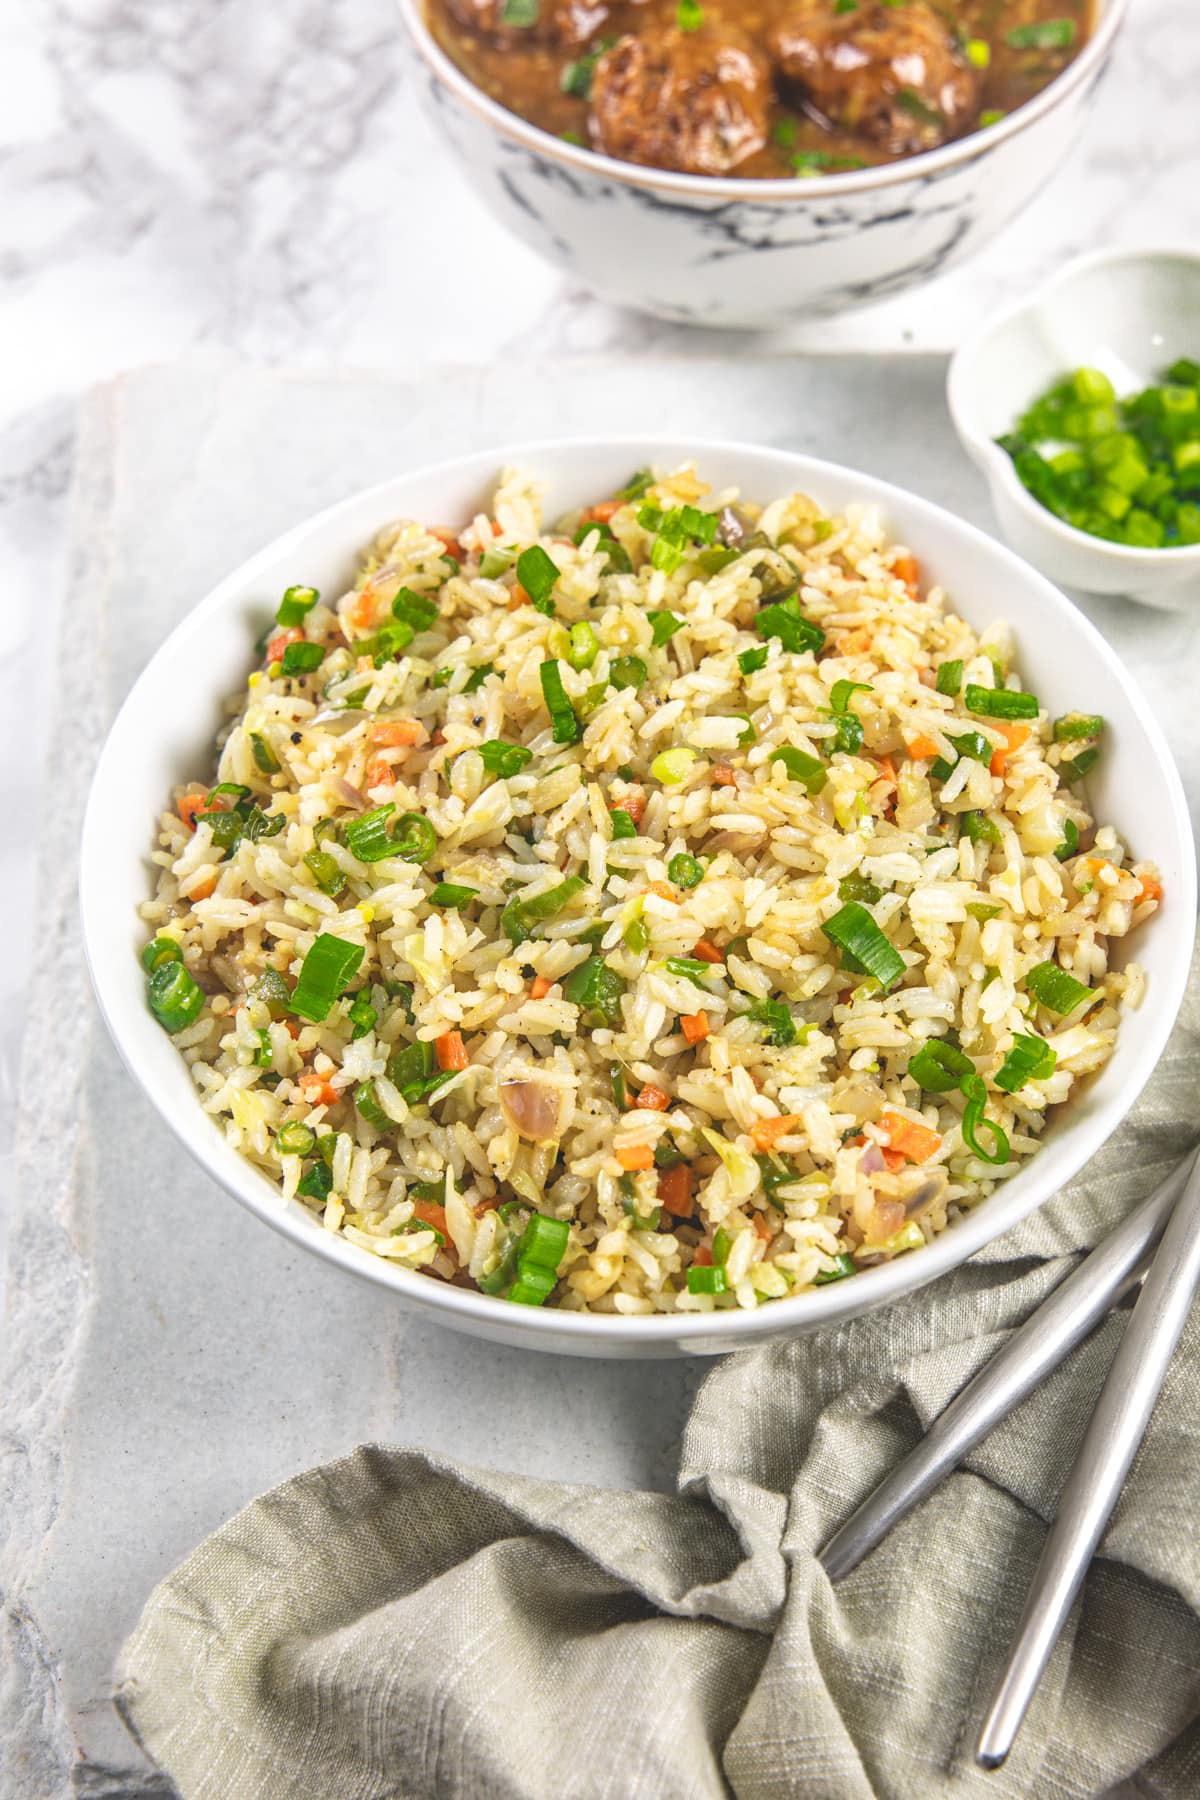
(751, 162)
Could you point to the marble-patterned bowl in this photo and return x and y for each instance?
(703, 250)
(164, 735)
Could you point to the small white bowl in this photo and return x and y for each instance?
(1127, 312)
(164, 734)
(723, 251)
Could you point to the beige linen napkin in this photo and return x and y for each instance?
(392, 1625)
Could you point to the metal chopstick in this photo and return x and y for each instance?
(1047, 1336)
(1118, 1424)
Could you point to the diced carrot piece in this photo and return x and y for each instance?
(292, 1027)
(767, 1132)
(451, 1051)
(663, 890)
(395, 734)
(540, 987)
(204, 887)
(906, 1138)
(675, 1190)
(854, 643)
(316, 1090)
(723, 775)
(636, 1156)
(449, 540)
(887, 770)
(694, 1026)
(430, 1213)
(922, 748)
(1016, 736)
(518, 598)
(895, 1159)
(379, 773)
(706, 952)
(908, 569)
(486, 1206)
(362, 609)
(188, 805)
(634, 803)
(763, 1227)
(1149, 888)
(279, 643)
(438, 738)
(652, 1099)
(703, 1257)
(603, 512)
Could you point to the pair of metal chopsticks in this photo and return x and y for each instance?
(1169, 1282)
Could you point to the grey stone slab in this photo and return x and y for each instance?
(166, 1357)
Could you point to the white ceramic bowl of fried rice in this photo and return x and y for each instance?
(779, 857)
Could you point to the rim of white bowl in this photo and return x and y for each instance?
(884, 1284)
(996, 461)
(926, 164)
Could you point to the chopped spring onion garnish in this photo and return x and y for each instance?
(451, 894)
(537, 574)
(673, 766)
(641, 1221)
(782, 619)
(685, 871)
(992, 116)
(972, 744)
(983, 910)
(840, 692)
(414, 839)
(362, 1015)
(622, 825)
(541, 1248)
(847, 733)
(707, 1278)
(807, 163)
(329, 875)
(366, 1102)
(689, 15)
(494, 563)
(663, 626)
(1029, 1059)
(520, 916)
(627, 672)
(326, 971)
(226, 790)
(1000, 703)
(477, 680)
(295, 1138)
(1042, 34)
(920, 109)
(1074, 768)
(856, 886)
(1057, 991)
(978, 828)
(384, 646)
(939, 1067)
(692, 968)
(619, 1084)
(564, 726)
(265, 758)
(636, 486)
(843, 1265)
(973, 1122)
(635, 936)
(949, 677)
(521, 13)
(750, 660)
(273, 992)
(596, 990)
(160, 950)
(175, 998)
(1077, 725)
(777, 1019)
(978, 52)
(863, 946)
(584, 646)
(416, 610)
(369, 837)
(1070, 843)
(501, 758)
(808, 770)
(302, 659)
(317, 1184)
(296, 604)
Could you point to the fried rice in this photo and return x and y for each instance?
(646, 882)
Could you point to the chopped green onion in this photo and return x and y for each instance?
(689, 15)
(326, 971)
(476, 681)
(912, 103)
(416, 610)
(494, 563)
(635, 936)
(855, 886)
(1042, 34)
(501, 758)
(685, 871)
(673, 766)
(622, 824)
(1000, 703)
(949, 677)
(750, 660)
(863, 945)
(840, 692)
(808, 770)
(329, 875)
(296, 604)
(647, 1222)
(663, 626)
(706, 1278)
(564, 726)
(362, 1015)
(584, 646)
(596, 990)
(176, 1000)
(627, 672)
(1029, 1059)
(367, 1104)
(273, 992)
(449, 893)
(972, 744)
(317, 1184)
(368, 837)
(1070, 843)
(232, 790)
(414, 839)
(619, 1086)
(992, 116)
(302, 658)
(1074, 768)
(692, 968)
(973, 1121)
(520, 916)
(843, 1264)
(722, 1244)
(783, 620)
(537, 574)
(1077, 725)
(1057, 991)
(160, 950)
(848, 734)
(983, 910)
(636, 486)
(939, 1067)
(264, 757)
(295, 1138)
(775, 1016)
(978, 828)
(978, 52)
(521, 13)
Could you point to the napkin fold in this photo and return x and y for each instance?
(392, 1624)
